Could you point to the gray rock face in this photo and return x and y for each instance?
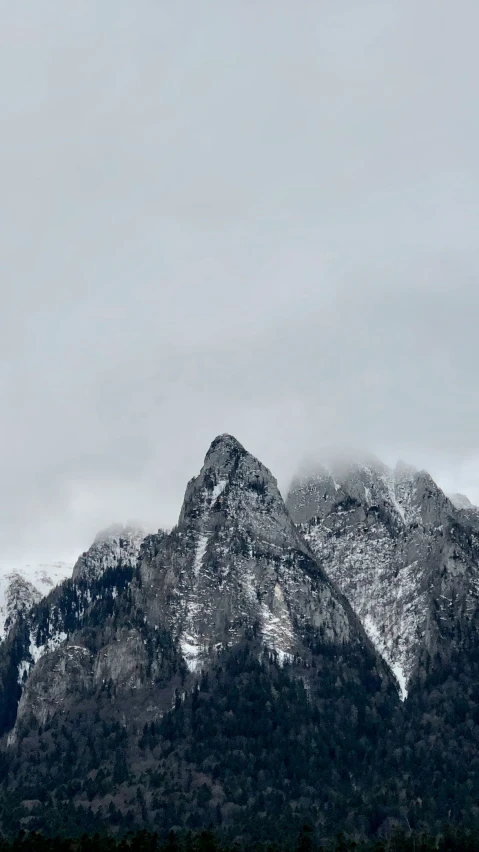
(67, 672)
(404, 556)
(236, 562)
(116, 545)
(84, 638)
(63, 672)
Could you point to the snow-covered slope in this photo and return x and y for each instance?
(22, 587)
(398, 549)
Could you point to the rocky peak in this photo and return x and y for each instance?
(236, 562)
(218, 471)
(223, 451)
(402, 496)
(117, 544)
(390, 540)
(230, 482)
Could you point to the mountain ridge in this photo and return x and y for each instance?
(232, 595)
(219, 674)
(388, 538)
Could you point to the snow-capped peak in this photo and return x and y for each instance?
(236, 563)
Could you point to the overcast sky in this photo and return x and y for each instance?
(252, 217)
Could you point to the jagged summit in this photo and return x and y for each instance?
(219, 467)
(400, 494)
(389, 539)
(224, 444)
(236, 562)
(226, 464)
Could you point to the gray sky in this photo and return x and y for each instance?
(253, 217)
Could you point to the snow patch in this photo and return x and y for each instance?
(276, 626)
(372, 631)
(191, 651)
(398, 672)
(200, 553)
(389, 482)
(37, 651)
(374, 635)
(218, 489)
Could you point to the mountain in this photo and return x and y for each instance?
(21, 588)
(402, 553)
(222, 678)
